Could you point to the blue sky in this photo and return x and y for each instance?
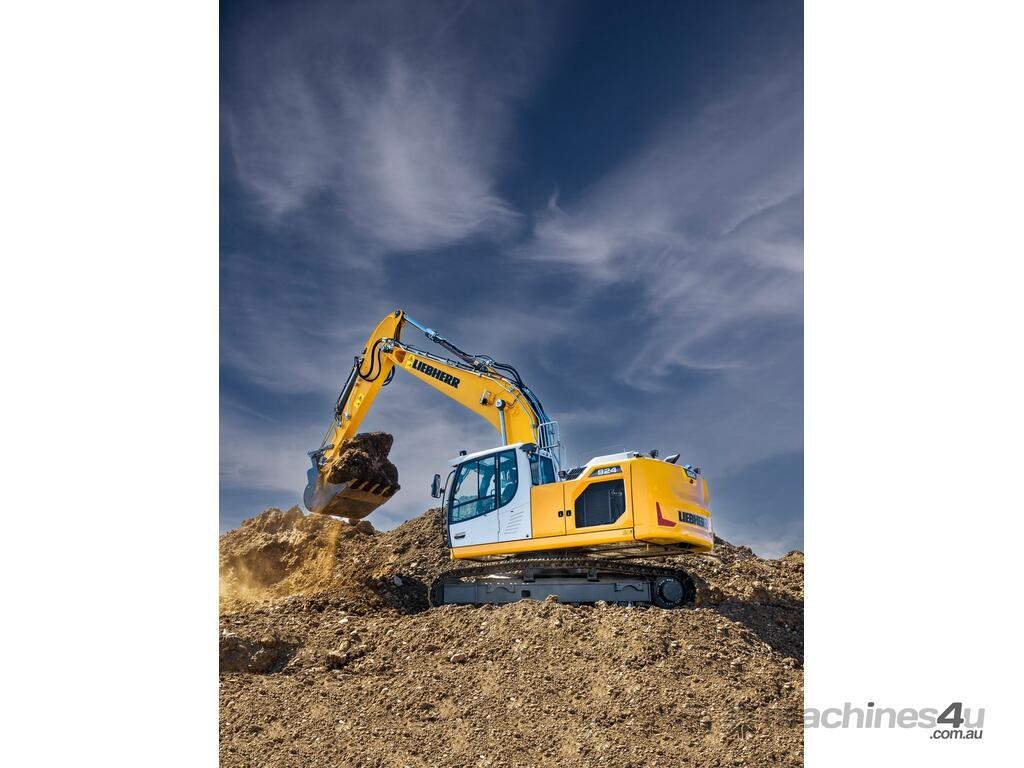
(607, 195)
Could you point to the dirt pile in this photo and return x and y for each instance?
(314, 557)
(330, 657)
(278, 553)
(366, 458)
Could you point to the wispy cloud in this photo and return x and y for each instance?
(264, 455)
(707, 220)
(702, 231)
(386, 119)
(282, 328)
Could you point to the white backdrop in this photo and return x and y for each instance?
(914, 375)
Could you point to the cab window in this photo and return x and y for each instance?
(473, 493)
(508, 476)
(542, 471)
(480, 484)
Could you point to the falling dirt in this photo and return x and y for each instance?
(278, 554)
(330, 656)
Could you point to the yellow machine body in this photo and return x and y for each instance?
(665, 509)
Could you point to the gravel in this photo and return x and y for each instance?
(330, 656)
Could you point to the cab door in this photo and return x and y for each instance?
(472, 515)
(513, 496)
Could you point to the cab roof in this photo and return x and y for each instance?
(480, 454)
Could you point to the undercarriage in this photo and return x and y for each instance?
(565, 579)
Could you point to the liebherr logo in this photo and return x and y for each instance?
(433, 372)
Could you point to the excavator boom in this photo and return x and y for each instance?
(493, 391)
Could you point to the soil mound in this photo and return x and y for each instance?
(329, 656)
(278, 553)
(294, 556)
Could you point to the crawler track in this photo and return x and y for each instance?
(572, 579)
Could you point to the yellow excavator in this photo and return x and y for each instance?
(533, 527)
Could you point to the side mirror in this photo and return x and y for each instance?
(435, 487)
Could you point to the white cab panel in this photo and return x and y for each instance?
(490, 498)
(478, 530)
(514, 518)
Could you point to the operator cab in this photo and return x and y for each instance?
(488, 494)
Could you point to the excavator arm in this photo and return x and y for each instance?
(492, 390)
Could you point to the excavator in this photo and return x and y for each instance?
(526, 527)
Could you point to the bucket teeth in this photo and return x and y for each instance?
(355, 499)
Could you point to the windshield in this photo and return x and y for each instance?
(474, 492)
(474, 489)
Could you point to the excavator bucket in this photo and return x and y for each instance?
(354, 481)
(354, 499)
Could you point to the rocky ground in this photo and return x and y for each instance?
(330, 656)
